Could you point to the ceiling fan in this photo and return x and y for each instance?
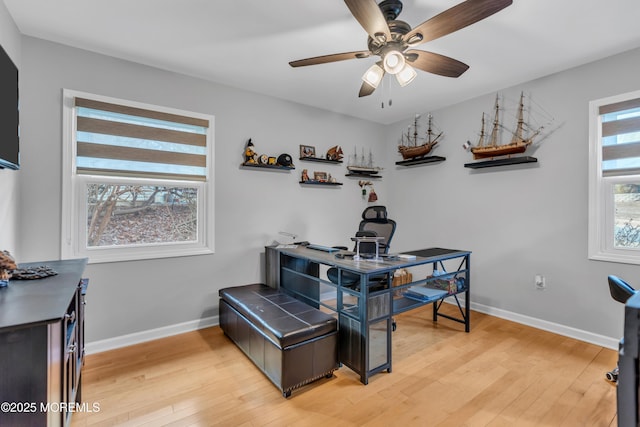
(393, 40)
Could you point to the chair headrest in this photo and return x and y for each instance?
(620, 290)
(375, 213)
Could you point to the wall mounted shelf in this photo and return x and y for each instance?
(310, 182)
(319, 160)
(363, 175)
(272, 167)
(501, 162)
(421, 161)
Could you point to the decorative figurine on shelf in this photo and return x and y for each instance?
(7, 265)
(305, 175)
(372, 194)
(363, 185)
(249, 154)
(285, 160)
(334, 153)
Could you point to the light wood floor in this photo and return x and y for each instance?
(499, 374)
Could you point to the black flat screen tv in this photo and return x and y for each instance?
(9, 113)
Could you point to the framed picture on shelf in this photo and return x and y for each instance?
(307, 151)
(320, 176)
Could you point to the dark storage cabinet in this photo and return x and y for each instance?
(42, 346)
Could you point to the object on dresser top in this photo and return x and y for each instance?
(33, 273)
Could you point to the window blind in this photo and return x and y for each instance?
(620, 133)
(121, 140)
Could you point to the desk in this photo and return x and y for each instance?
(365, 315)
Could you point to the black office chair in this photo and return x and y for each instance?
(620, 291)
(374, 224)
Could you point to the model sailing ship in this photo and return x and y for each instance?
(523, 135)
(360, 166)
(411, 146)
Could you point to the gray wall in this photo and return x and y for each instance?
(520, 221)
(252, 206)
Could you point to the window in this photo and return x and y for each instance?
(614, 179)
(137, 180)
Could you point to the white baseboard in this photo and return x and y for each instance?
(153, 334)
(556, 328)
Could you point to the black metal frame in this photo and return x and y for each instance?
(299, 276)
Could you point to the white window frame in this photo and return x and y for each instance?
(601, 196)
(74, 206)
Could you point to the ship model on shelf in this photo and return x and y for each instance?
(415, 149)
(490, 147)
(361, 166)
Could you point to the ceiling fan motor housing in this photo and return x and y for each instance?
(397, 29)
(390, 9)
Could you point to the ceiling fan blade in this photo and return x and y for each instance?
(435, 63)
(366, 89)
(330, 58)
(369, 15)
(454, 19)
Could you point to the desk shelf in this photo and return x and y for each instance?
(402, 303)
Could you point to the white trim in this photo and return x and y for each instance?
(150, 335)
(207, 322)
(601, 204)
(544, 325)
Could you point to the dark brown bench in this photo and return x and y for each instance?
(291, 342)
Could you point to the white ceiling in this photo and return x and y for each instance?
(249, 43)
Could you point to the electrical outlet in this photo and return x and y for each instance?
(540, 282)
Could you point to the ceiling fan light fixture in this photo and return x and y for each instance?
(373, 76)
(406, 75)
(393, 62)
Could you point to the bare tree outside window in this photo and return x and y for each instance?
(627, 215)
(124, 215)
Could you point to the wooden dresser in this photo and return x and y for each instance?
(42, 346)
